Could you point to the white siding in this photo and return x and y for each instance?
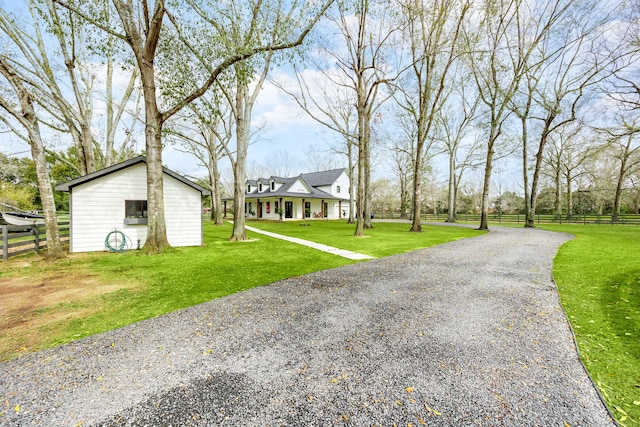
(343, 183)
(298, 187)
(98, 208)
(183, 213)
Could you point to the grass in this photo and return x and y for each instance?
(148, 286)
(598, 277)
(384, 239)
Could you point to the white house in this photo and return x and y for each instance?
(115, 199)
(309, 195)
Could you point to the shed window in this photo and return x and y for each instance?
(135, 211)
(135, 208)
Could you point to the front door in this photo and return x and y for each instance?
(288, 209)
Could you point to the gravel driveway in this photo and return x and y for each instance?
(463, 334)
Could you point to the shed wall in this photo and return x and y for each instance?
(98, 208)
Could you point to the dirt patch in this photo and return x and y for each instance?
(27, 303)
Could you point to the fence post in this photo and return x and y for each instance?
(36, 237)
(5, 243)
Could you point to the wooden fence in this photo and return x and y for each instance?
(20, 239)
(520, 219)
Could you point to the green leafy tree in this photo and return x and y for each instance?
(145, 25)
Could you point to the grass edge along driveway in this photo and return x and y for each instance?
(598, 279)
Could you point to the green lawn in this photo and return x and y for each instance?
(384, 239)
(598, 277)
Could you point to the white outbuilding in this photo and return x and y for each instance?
(110, 205)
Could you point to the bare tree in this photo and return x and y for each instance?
(358, 72)
(433, 29)
(331, 106)
(499, 54)
(625, 147)
(205, 129)
(21, 108)
(283, 163)
(401, 166)
(570, 61)
(242, 102)
(361, 65)
(59, 66)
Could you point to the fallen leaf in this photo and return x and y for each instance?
(432, 411)
(421, 421)
(399, 402)
(409, 389)
(17, 408)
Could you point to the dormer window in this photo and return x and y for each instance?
(260, 187)
(249, 188)
(273, 185)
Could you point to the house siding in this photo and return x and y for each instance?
(98, 208)
(333, 208)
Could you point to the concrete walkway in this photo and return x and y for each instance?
(319, 246)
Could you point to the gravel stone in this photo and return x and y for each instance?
(469, 333)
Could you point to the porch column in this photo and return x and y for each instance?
(304, 211)
(339, 208)
(322, 208)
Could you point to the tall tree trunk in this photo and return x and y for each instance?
(351, 183)
(569, 195)
(28, 118)
(111, 128)
(360, 204)
(243, 114)
(615, 217)
(416, 226)
(557, 204)
(216, 194)
(156, 226)
(367, 173)
(54, 246)
(451, 199)
(486, 186)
